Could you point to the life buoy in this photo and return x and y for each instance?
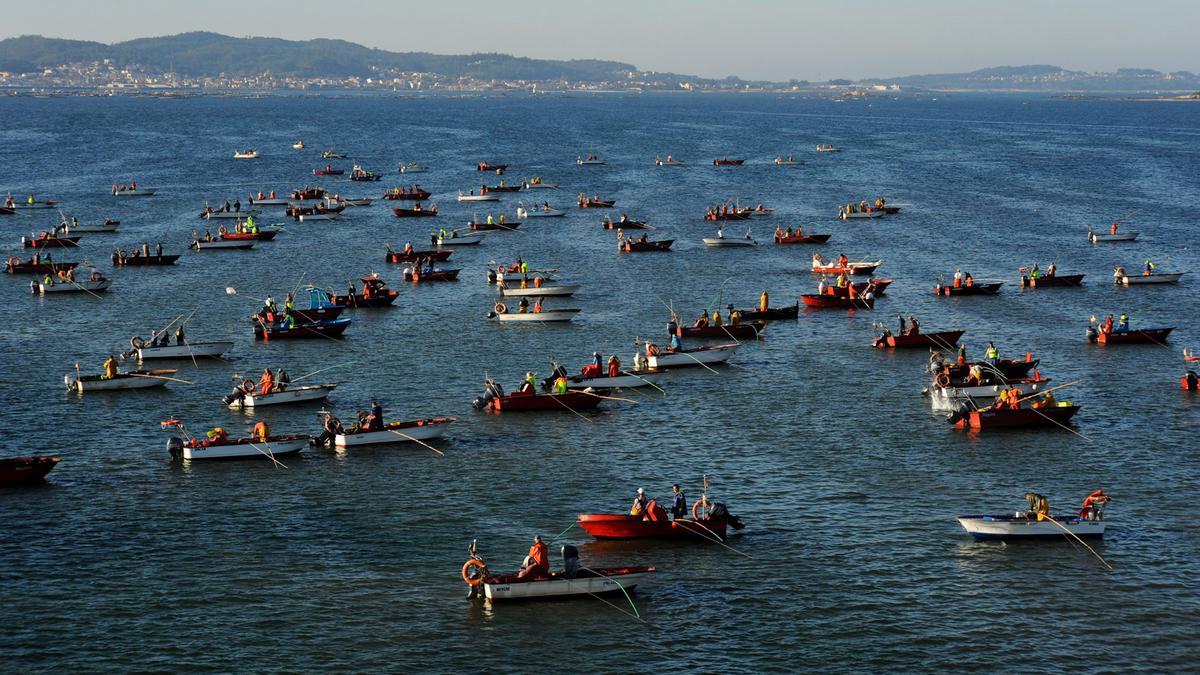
(500, 308)
(137, 342)
(943, 380)
(248, 386)
(703, 501)
(14, 261)
(474, 571)
(651, 349)
(223, 230)
(95, 276)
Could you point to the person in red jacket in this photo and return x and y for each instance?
(1090, 503)
(537, 563)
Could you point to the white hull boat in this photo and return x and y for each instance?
(359, 201)
(281, 447)
(545, 316)
(134, 379)
(461, 240)
(140, 192)
(292, 394)
(722, 242)
(478, 198)
(668, 162)
(559, 586)
(1097, 237)
(186, 351)
(638, 378)
(245, 155)
(86, 286)
(397, 432)
(313, 217)
(223, 244)
(1021, 526)
(268, 201)
(102, 228)
(545, 291)
(541, 186)
(948, 399)
(1156, 278)
(590, 162)
(863, 215)
(230, 215)
(412, 168)
(523, 213)
(35, 205)
(692, 357)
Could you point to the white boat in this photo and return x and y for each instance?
(134, 379)
(539, 212)
(397, 432)
(186, 351)
(82, 286)
(861, 215)
(1097, 237)
(637, 378)
(546, 290)
(502, 314)
(585, 583)
(358, 201)
(292, 394)
(827, 148)
(787, 161)
(590, 161)
(102, 228)
(270, 201)
(49, 204)
(246, 154)
(1020, 525)
(540, 186)
(1156, 278)
(412, 167)
(490, 197)
(240, 448)
(222, 244)
(949, 399)
(298, 145)
(669, 161)
(229, 215)
(134, 192)
(832, 268)
(728, 242)
(455, 239)
(692, 357)
(313, 217)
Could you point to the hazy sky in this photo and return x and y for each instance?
(755, 39)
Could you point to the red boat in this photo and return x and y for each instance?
(725, 161)
(803, 239)
(17, 266)
(631, 246)
(416, 212)
(46, 240)
(296, 211)
(976, 420)
(435, 275)
(261, 235)
(618, 526)
(1140, 335)
(528, 401)
(22, 470)
(487, 227)
(973, 289)
(879, 285)
(938, 339)
(753, 330)
(596, 203)
(1056, 280)
(314, 330)
(375, 294)
(416, 194)
(484, 166)
(440, 255)
(772, 313)
(716, 215)
(328, 171)
(836, 302)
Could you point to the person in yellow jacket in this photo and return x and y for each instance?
(763, 302)
(560, 385)
(261, 432)
(110, 368)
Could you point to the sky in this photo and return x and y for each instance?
(754, 39)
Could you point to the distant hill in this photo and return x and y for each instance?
(1050, 78)
(202, 54)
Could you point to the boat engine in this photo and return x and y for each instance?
(491, 276)
(1092, 335)
(961, 413)
(175, 447)
(236, 395)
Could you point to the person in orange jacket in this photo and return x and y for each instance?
(261, 432)
(266, 383)
(1091, 501)
(537, 563)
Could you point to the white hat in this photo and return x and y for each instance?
(641, 491)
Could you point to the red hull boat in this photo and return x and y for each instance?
(937, 339)
(262, 235)
(22, 470)
(879, 285)
(836, 302)
(1010, 419)
(417, 195)
(144, 261)
(1056, 280)
(415, 213)
(17, 266)
(319, 329)
(328, 172)
(308, 193)
(645, 246)
(436, 275)
(597, 204)
(1143, 335)
(49, 242)
(803, 239)
(519, 402)
(484, 166)
(974, 289)
(617, 526)
(742, 330)
(624, 225)
(728, 162)
(440, 255)
(380, 296)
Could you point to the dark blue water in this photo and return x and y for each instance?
(125, 560)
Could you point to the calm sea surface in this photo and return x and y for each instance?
(126, 560)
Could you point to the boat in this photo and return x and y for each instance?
(228, 215)
(120, 260)
(723, 242)
(245, 154)
(771, 313)
(936, 339)
(375, 294)
(222, 244)
(298, 145)
(35, 265)
(308, 194)
(550, 290)
(574, 581)
(412, 167)
(437, 255)
(320, 307)
(1120, 277)
(1051, 282)
(790, 160)
(595, 203)
(1027, 525)
(500, 313)
(751, 330)
(25, 470)
(331, 154)
(1006, 367)
(237, 448)
(989, 418)
(1135, 336)
(802, 239)
(397, 432)
(494, 400)
(626, 224)
(453, 238)
(539, 212)
(188, 350)
(658, 360)
(760, 210)
(412, 193)
(590, 160)
(623, 380)
(862, 215)
(669, 161)
(472, 197)
(262, 234)
(721, 214)
(255, 200)
(1099, 237)
(485, 166)
(827, 301)
(132, 191)
(356, 201)
(328, 171)
(7, 211)
(537, 184)
(625, 526)
(47, 240)
(33, 204)
(106, 227)
(489, 227)
(331, 328)
(417, 211)
(96, 284)
(134, 379)
(320, 216)
(631, 245)
(438, 274)
(833, 268)
(361, 175)
(877, 286)
(958, 393)
(503, 188)
(827, 148)
(725, 161)
(246, 398)
(992, 288)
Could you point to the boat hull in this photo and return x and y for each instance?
(555, 315)
(640, 378)
(692, 357)
(1163, 278)
(518, 402)
(1020, 527)
(1144, 335)
(937, 339)
(123, 381)
(187, 351)
(721, 242)
(742, 330)
(618, 526)
(613, 581)
(76, 287)
(293, 394)
(544, 291)
(24, 470)
(1014, 419)
(974, 289)
(247, 450)
(827, 301)
(398, 432)
(1055, 281)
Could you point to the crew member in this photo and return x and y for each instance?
(639, 503)
(261, 432)
(1091, 502)
(110, 367)
(537, 563)
(678, 502)
(266, 382)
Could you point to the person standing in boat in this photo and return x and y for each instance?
(903, 328)
(537, 563)
(282, 379)
(1123, 323)
(992, 354)
(678, 502)
(110, 367)
(1092, 504)
(180, 336)
(375, 418)
(702, 322)
(676, 343)
(614, 366)
(261, 432)
(330, 428)
(266, 382)
(914, 327)
(1039, 506)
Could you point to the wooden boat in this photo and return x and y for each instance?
(992, 288)
(803, 239)
(431, 275)
(878, 286)
(1155, 278)
(94, 285)
(1021, 526)
(1007, 367)
(579, 583)
(725, 161)
(228, 215)
(456, 239)
(539, 212)
(1007, 418)
(862, 215)
(669, 161)
(46, 240)
(751, 330)
(487, 197)
(143, 261)
(379, 296)
(771, 314)
(832, 268)
(416, 212)
(436, 255)
(238, 448)
(625, 526)
(298, 145)
(255, 200)
(7, 211)
(17, 266)
(1135, 336)
(134, 379)
(827, 301)
(596, 203)
(500, 313)
(25, 470)
(627, 224)
(293, 393)
(306, 194)
(952, 397)
(188, 350)
(412, 167)
(734, 214)
(263, 234)
(245, 154)
(397, 432)
(485, 166)
(539, 186)
(790, 160)
(545, 290)
(328, 171)
(35, 204)
(332, 154)
(222, 245)
(531, 402)
(1052, 282)
(316, 329)
(503, 188)
(633, 246)
(729, 242)
(827, 148)
(626, 380)
(492, 227)
(590, 160)
(363, 176)
(935, 339)
(355, 201)
(691, 357)
(106, 227)
(1099, 237)
(319, 216)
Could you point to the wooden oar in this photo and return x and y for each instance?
(1050, 519)
(626, 372)
(414, 440)
(159, 377)
(269, 455)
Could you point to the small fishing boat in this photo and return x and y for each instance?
(790, 160)
(356, 201)
(545, 290)
(631, 245)
(412, 167)
(308, 194)
(472, 197)
(33, 204)
(494, 226)
(1007, 418)
(537, 184)
(574, 581)
(1051, 282)
(803, 239)
(1026, 525)
(320, 307)
(539, 212)
(397, 432)
(222, 244)
(298, 145)
(97, 283)
(867, 214)
(624, 224)
(36, 265)
(328, 171)
(106, 227)
(320, 216)
(486, 166)
(503, 188)
(833, 268)
(331, 154)
(7, 211)
(657, 360)
(438, 274)
(669, 161)
(590, 160)
(1124, 279)
(255, 200)
(936, 339)
(237, 448)
(361, 175)
(827, 301)
(494, 400)
(714, 215)
(436, 255)
(132, 191)
(624, 380)
(1006, 367)
(952, 398)
(992, 288)
(245, 396)
(877, 286)
(375, 294)
(47, 240)
(500, 313)
(25, 470)
(453, 238)
(595, 203)
(417, 211)
(1135, 336)
(262, 234)
(312, 330)
(134, 379)
(625, 526)
(827, 148)
(1100, 237)
(228, 215)
(725, 161)
(730, 242)
(188, 350)
(119, 260)
(771, 313)
(245, 154)
(751, 331)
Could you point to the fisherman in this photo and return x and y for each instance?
(676, 344)
(992, 354)
(639, 503)
(1091, 509)
(1050, 271)
(1108, 325)
(216, 436)
(282, 379)
(261, 432)
(1039, 506)
(614, 366)
(110, 368)
(289, 303)
(180, 336)
(958, 278)
(330, 428)
(763, 302)
(266, 383)
(962, 355)
(375, 418)
(1113, 229)
(1123, 323)
(523, 306)
(678, 502)
(914, 327)
(716, 317)
(903, 327)
(1014, 398)
(843, 261)
(537, 563)
(269, 305)
(529, 386)
(1148, 269)
(974, 375)
(1046, 401)
(560, 385)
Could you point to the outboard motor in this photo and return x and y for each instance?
(961, 413)
(236, 395)
(570, 556)
(1092, 335)
(491, 276)
(175, 447)
(491, 390)
(719, 511)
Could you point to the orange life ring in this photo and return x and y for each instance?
(943, 380)
(222, 230)
(651, 349)
(477, 565)
(248, 386)
(14, 261)
(500, 308)
(696, 507)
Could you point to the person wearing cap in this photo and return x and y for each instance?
(639, 503)
(537, 563)
(678, 502)
(529, 386)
